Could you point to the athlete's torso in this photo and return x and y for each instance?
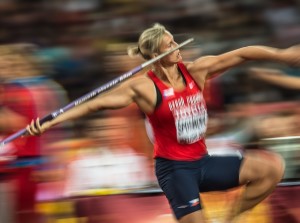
(179, 121)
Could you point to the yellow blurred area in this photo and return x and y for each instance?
(216, 204)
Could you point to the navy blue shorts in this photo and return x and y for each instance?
(182, 181)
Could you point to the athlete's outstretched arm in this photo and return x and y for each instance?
(119, 97)
(276, 77)
(210, 65)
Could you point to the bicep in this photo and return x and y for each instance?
(225, 61)
(209, 66)
(259, 53)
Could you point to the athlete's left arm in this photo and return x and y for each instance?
(210, 65)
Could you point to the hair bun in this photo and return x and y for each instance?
(133, 51)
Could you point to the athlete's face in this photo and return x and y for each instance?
(167, 44)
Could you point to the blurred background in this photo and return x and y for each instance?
(100, 168)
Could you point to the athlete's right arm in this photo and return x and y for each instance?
(118, 97)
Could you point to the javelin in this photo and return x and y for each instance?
(95, 92)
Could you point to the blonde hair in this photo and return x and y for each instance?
(149, 42)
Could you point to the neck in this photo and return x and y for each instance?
(171, 76)
(168, 74)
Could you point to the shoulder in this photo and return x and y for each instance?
(140, 82)
(140, 85)
(203, 62)
(144, 93)
(197, 69)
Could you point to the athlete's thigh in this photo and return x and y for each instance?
(220, 173)
(181, 189)
(260, 163)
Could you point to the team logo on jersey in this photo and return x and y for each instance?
(168, 92)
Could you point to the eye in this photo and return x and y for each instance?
(172, 44)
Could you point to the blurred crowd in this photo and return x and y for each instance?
(53, 52)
